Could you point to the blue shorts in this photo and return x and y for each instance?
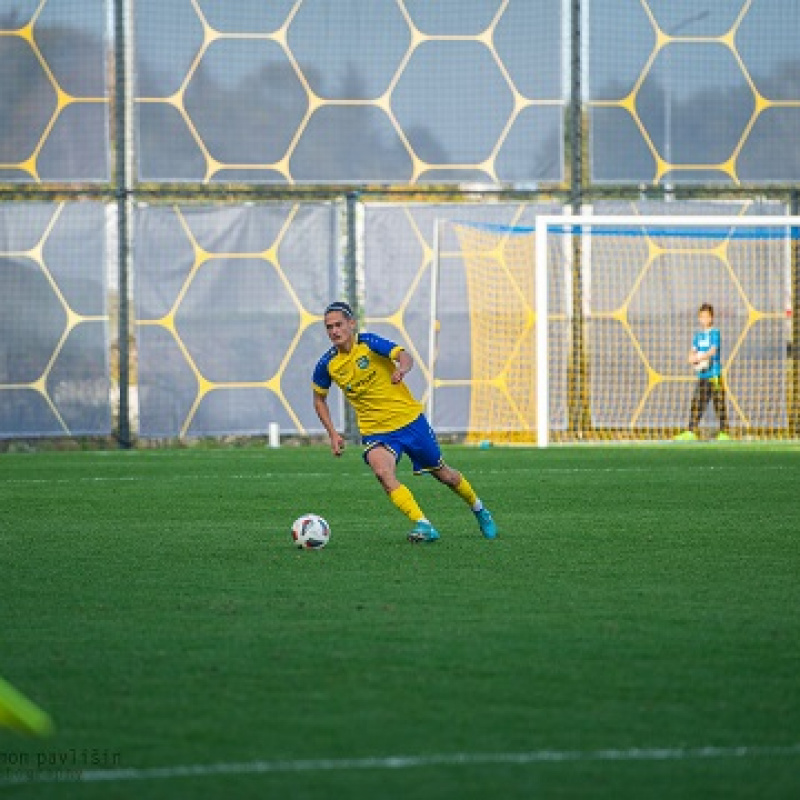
(417, 440)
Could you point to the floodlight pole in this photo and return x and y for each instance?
(576, 108)
(577, 411)
(122, 191)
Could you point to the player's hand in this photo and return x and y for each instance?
(398, 375)
(337, 445)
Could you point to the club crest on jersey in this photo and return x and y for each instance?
(362, 362)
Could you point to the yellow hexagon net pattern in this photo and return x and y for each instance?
(228, 317)
(53, 324)
(700, 106)
(55, 123)
(411, 94)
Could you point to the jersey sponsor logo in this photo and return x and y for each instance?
(353, 387)
(362, 362)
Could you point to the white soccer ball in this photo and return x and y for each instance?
(310, 532)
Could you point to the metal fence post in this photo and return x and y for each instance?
(351, 292)
(122, 193)
(579, 414)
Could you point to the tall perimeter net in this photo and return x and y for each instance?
(622, 300)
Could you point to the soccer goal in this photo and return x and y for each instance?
(620, 295)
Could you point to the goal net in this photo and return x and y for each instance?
(492, 366)
(621, 297)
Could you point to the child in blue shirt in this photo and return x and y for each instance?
(707, 362)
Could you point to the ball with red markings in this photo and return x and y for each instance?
(310, 532)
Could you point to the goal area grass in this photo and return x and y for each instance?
(633, 632)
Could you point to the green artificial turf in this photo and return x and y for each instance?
(638, 598)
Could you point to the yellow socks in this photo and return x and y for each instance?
(404, 500)
(467, 494)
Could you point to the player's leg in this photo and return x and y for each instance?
(700, 400)
(720, 407)
(459, 484)
(383, 463)
(426, 456)
(706, 396)
(699, 403)
(462, 487)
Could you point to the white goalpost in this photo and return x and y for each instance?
(533, 369)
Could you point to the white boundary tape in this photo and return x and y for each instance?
(398, 762)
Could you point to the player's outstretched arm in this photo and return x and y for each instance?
(404, 363)
(324, 414)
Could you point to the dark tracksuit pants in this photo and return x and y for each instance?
(705, 390)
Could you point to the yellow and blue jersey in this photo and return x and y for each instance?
(365, 376)
(702, 342)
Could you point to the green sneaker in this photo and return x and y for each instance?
(423, 532)
(686, 436)
(723, 437)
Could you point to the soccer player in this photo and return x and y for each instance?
(370, 370)
(705, 357)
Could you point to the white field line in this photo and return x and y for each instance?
(171, 478)
(335, 473)
(134, 454)
(397, 762)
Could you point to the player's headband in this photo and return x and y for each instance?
(339, 306)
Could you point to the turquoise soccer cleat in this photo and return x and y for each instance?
(487, 523)
(423, 532)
